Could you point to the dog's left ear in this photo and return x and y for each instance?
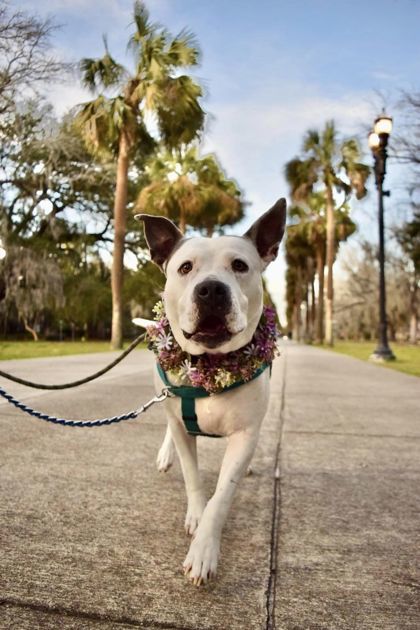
(161, 236)
(266, 233)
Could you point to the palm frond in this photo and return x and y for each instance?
(183, 50)
(182, 183)
(301, 176)
(141, 19)
(350, 150)
(311, 141)
(92, 119)
(357, 172)
(100, 73)
(180, 115)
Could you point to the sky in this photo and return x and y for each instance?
(271, 70)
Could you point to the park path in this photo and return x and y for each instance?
(92, 536)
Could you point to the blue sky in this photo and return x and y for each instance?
(271, 69)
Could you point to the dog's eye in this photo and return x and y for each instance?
(239, 265)
(185, 268)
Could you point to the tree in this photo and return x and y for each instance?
(191, 190)
(143, 288)
(408, 237)
(115, 125)
(407, 144)
(33, 285)
(87, 308)
(46, 170)
(356, 308)
(25, 58)
(331, 167)
(299, 273)
(306, 250)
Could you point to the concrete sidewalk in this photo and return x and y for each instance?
(92, 536)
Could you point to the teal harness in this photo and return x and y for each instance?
(189, 394)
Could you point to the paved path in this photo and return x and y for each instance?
(92, 536)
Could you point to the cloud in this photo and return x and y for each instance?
(64, 97)
(381, 75)
(255, 138)
(110, 7)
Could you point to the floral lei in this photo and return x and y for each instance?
(213, 372)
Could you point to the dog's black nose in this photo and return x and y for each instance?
(213, 294)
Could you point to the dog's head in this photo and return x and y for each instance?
(213, 294)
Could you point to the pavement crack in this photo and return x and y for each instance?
(353, 434)
(276, 514)
(62, 612)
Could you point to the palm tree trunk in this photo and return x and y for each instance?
(182, 222)
(313, 307)
(329, 310)
(117, 272)
(309, 300)
(297, 317)
(320, 265)
(308, 331)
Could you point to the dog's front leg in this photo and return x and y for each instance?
(186, 448)
(165, 457)
(201, 561)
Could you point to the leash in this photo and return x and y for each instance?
(187, 395)
(92, 377)
(131, 415)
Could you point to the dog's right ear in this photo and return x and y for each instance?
(161, 236)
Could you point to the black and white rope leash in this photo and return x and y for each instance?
(131, 415)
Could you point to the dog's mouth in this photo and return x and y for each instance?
(211, 331)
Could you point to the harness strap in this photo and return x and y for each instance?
(188, 395)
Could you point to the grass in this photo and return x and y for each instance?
(407, 357)
(35, 349)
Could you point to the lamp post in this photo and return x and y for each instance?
(378, 141)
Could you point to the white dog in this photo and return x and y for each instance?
(214, 300)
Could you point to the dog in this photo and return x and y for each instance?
(213, 299)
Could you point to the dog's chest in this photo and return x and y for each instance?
(236, 410)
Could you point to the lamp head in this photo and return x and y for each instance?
(383, 125)
(374, 141)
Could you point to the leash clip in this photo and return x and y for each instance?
(164, 394)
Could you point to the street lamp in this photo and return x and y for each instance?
(378, 141)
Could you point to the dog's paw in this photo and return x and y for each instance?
(165, 457)
(200, 565)
(196, 505)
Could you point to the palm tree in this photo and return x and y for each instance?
(299, 274)
(311, 227)
(333, 168)
(191, 190)
(113, 124)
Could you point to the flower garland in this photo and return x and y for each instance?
(213, 372)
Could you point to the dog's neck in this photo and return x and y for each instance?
(214, 372)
